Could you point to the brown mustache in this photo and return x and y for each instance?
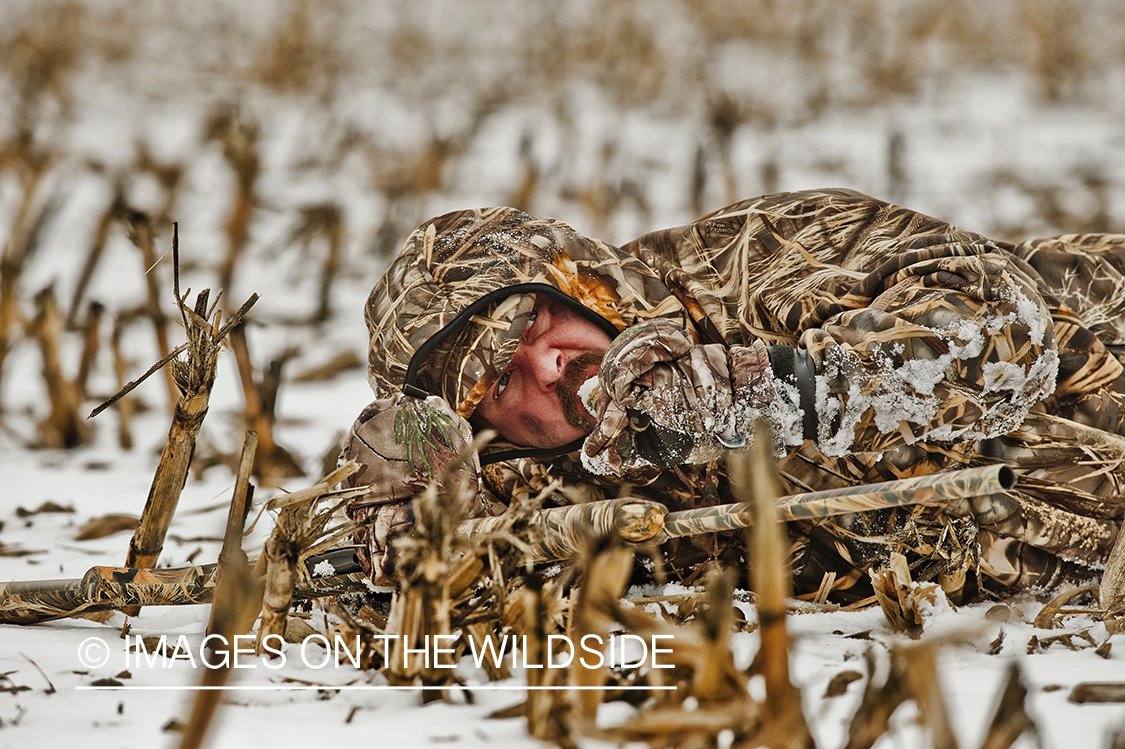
(574, 374)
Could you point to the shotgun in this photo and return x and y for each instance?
(551, 534)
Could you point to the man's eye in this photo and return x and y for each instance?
(502, 383)
(531, 318)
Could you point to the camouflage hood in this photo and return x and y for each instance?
(449, 312)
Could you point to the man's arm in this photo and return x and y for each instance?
(884, 327)
(953, 348)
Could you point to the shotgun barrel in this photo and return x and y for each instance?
(925, 490)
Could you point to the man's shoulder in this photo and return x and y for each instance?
(783, 211)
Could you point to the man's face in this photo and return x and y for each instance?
(558, 352)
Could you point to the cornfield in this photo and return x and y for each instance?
(285, 148)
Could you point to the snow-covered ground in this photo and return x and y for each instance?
(46, 695)
(395, 111)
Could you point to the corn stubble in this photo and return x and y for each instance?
(308, 522)
(64, 426)
(194, 377)
(482, 587)
(440, 570)
(259, 390)
(235, 605)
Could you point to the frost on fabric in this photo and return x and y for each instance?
(888, 396)
(324, 568)
(1002, 375)
(598, 465)
(769, 400)
(1027, 314)
(885, 389)
(588, 394)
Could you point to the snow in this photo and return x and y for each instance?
(304, 701)
(980, 145)
(588, 394)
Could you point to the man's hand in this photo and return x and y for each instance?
(402, 445)
(665, 400)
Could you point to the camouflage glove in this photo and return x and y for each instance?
(402, 444)
(668, 401)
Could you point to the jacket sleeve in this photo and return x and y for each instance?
(954, 345)
(948, 346)
(884, 326)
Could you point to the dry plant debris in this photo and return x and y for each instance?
(904, 602)
(194, 376)
(63, 427)
(273, 462)
(235, 605)
(307, 522)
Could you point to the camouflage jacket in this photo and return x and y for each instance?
(930, 347)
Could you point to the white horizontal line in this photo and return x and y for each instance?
(303, 687)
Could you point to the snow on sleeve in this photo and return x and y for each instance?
(973, 372)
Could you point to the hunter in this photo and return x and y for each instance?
(875, 342)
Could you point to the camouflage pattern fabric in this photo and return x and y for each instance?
(403, 445)
(456, 259)
(933, 347)
(670, 401)
(916, 330)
